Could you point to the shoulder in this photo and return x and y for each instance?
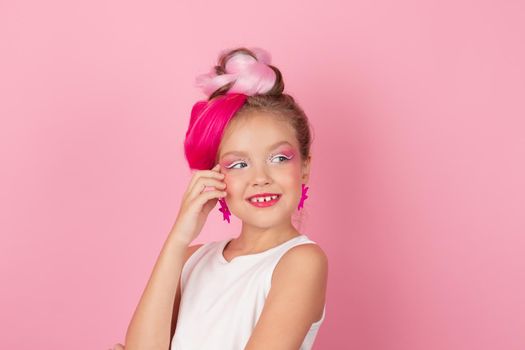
(307, 250)
(295, 301)
(190, 250)
(303, 272)
(306, 256)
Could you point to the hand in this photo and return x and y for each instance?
(197, 203)
(118, 347)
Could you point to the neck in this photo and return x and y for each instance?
(254, 239)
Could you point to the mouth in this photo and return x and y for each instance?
(265, 200)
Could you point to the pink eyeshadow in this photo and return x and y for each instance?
(287, 152)
(227, 163)
(229, 160)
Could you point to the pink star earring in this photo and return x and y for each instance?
(303, 196)
(224, 209)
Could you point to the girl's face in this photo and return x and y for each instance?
(259, 153)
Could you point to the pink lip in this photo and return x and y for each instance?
(264, 204)
(263, 195)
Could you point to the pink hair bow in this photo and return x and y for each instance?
(250, 76)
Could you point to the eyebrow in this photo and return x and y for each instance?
(275, 145)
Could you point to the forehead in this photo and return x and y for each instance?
(255, 133)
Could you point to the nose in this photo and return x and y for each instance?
(261, 177)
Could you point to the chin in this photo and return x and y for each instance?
(266, 221)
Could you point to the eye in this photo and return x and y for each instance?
(281, 157)
(234, 165)
(284, 158)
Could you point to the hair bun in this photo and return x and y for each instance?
(247, 74)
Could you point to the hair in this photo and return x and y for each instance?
(232, 96)
(209, 118)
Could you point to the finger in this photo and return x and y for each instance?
(202, 183)
(206, 173)
(206, 196)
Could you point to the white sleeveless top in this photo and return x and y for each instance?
(221, 301)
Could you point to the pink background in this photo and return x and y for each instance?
(417, 190)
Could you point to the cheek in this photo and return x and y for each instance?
(289, 176)
(294, 169)
(233, 183)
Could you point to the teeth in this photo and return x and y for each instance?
(263, 199)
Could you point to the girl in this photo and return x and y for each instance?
(265, 289)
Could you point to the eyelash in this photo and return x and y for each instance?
(242, 161)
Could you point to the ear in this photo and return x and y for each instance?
(305, 171)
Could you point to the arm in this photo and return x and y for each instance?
(178, 295)
(151, 325)
(151, 322)
(174, 316)
(176, 303)
(295, 301)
